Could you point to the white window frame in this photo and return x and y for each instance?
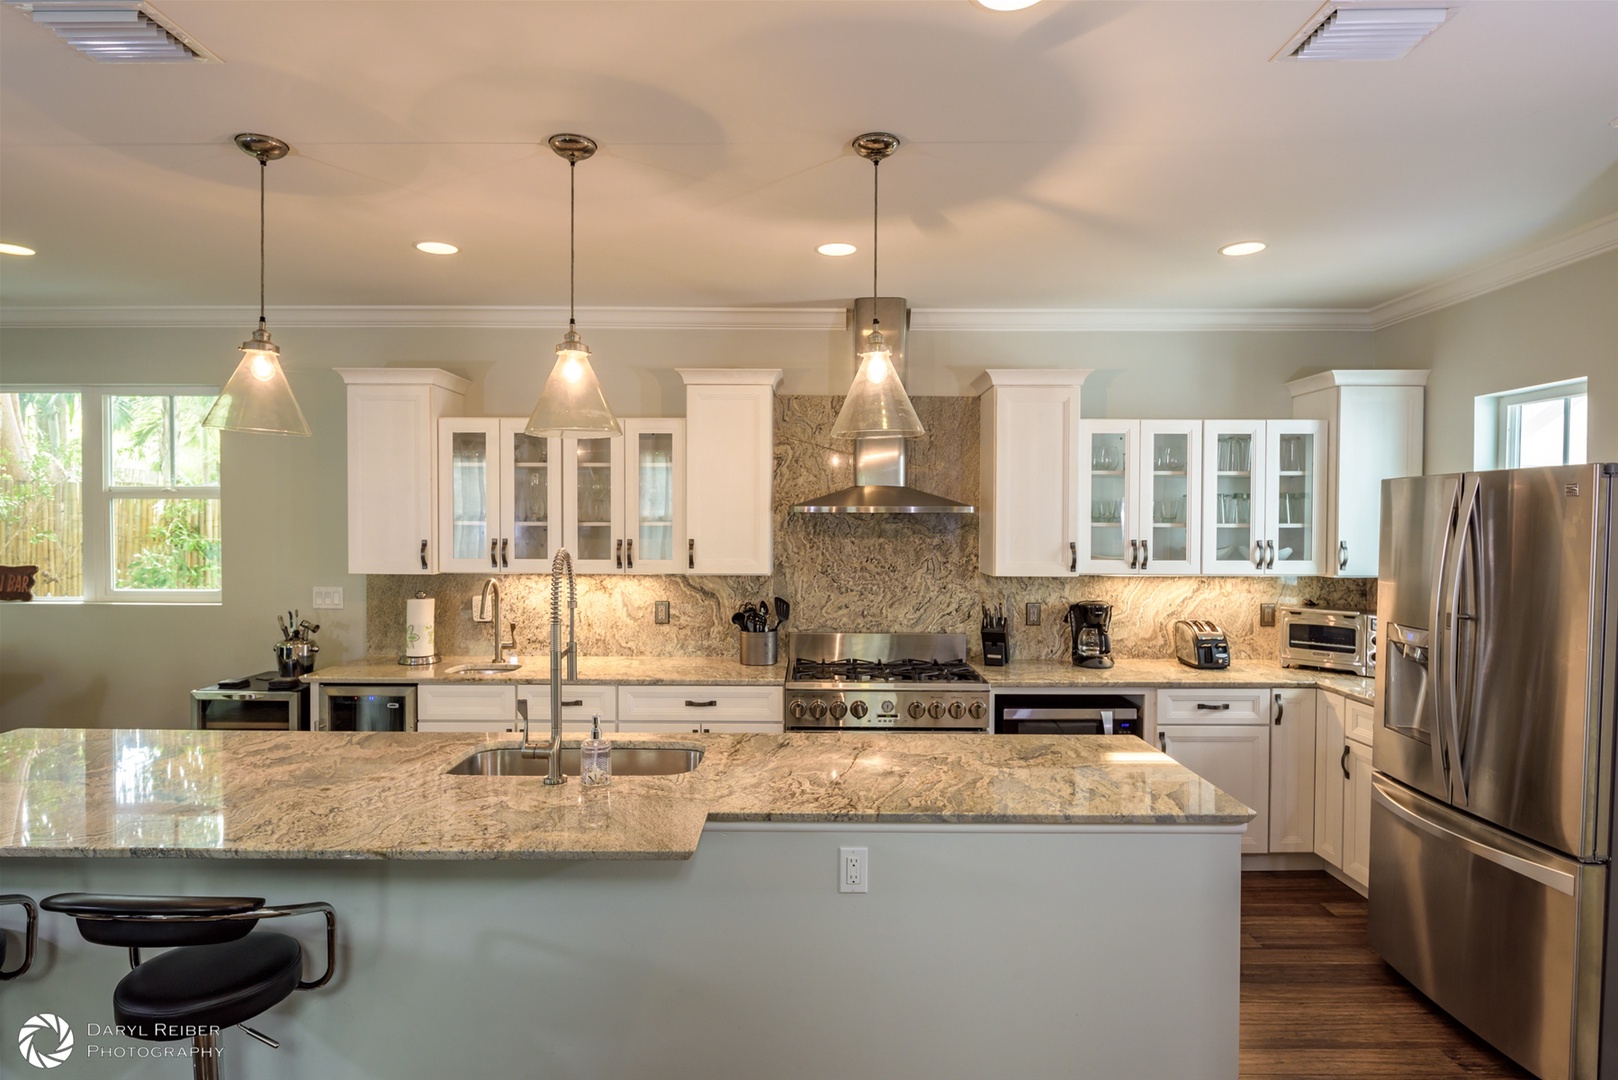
(96, 495)
(1508, 436)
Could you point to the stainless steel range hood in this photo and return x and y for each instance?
(879, 462)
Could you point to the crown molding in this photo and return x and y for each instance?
(1137, 319)
(442, 316)
(1596, 238)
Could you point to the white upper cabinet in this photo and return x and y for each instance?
(1028, 506)
(654, 496)
(729, 479)
(1263, 496)
(530, 498)
(1375, 427)
(499, 495)
(593, 503)
(393, 416)
(1140, 483)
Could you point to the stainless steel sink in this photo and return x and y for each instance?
(626, 761)
(485, 668)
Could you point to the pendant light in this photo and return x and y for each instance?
(257, 398)
(572, 404)
(876, 404)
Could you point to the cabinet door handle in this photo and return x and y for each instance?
(1269, 547)
(1342, 554)
(629, 554)
(618, 554)
(1280, 709)
(1346, 774)
(573, 704)
(1258, 554)
(494, 546)
(1134, 554)
(505, 546)
(1073, 560)
(701, 704)
(424, 554)
(1162, 742)
(691, 555)
(1145, 554)
(1223, 706)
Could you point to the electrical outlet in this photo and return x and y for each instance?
(660, 612)
(1030, 614)
(328, 598)
(479, 615)
(854, 869)
(1266, 614)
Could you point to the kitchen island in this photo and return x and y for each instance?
(1035, 906)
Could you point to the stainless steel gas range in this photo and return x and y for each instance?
(892, 682)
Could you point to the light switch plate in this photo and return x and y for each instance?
(660, 612)
(1266, 614)
(328, 598)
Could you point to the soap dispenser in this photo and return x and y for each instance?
(595, 757)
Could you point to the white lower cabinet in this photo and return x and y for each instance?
(469, 727)
(1225, 739)
(1292, 770)
(1343, 785)
(579, 705)
(495, 702)
(697, 709)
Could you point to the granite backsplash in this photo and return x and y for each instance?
(857, 572)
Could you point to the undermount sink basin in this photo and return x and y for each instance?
(486, 668)
(626, 761)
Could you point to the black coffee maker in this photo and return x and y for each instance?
(1092, 644)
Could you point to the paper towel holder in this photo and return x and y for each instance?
(418, 661)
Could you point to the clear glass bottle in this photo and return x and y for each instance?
(595, 757)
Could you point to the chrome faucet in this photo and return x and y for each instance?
(500, 646)
(561, 565)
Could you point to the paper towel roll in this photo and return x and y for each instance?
(419, 628)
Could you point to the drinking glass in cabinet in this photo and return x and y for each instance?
(1169, 458)
(1233, 508)
(1170, 511)
(1234, 453)
(1106, 511)
(1107, 453)
(1292, 453)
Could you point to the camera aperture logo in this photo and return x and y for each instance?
(37, 1037)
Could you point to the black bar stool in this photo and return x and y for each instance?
(217, 972)
(30, 937)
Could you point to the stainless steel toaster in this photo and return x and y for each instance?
(1201, 644)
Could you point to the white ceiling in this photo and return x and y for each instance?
(1074, 155)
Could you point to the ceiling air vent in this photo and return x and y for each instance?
(116, 31)
(1369, 32)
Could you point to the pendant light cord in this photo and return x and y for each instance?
(572, 256)
(876, 194)
(263, 166)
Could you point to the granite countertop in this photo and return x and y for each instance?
(385, 795)
(615, 670)
(1150, 674)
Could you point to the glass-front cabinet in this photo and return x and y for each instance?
(654, 501)
(530, 499)
(1139, 492)
(1262, 501)
(499, 496)
(592, 503)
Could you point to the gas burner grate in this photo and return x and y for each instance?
(907, 670)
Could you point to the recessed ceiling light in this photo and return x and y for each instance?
(837, 249)
(1006, 5)
(434, 247)
(15, 249)
(1246, 247)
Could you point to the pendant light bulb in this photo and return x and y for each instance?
(258, 398)
(877, 358)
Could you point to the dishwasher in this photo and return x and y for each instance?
(1069, 712)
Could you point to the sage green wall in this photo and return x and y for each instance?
(1560, 325)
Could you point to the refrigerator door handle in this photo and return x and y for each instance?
(1435, 644)
(1451, 624)
(1543, 872)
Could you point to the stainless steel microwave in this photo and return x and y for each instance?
(1329, 640)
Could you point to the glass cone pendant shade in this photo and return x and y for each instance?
(572, 404)
(257, 397)
(876, 403)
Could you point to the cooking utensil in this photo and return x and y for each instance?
(285, 633)
(782, 611)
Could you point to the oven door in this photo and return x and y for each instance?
(1062, 714)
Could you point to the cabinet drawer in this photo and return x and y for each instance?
(491, 701)
(579, 703)
(468, 727)
(1213, 707)
(698, 705)
(1358, 721)
(706, 727)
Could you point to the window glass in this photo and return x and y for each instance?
(41, 477)
(163, 479)
(165, 543)
(1540, 432)
(1578, 434)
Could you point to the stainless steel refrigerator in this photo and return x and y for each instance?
(1492, 800)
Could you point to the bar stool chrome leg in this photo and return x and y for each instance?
(205, 1056)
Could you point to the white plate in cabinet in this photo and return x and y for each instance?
(579, 704)
(1140, 496)
(1213, 707)
(490, 701)
(1359, 721)
(725, 708)
(1235, 758)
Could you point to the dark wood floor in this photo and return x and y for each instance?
(1317, 1002)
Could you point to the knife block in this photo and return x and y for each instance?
(996, 648)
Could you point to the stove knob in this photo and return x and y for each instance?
(817, 709)
(798, 709)
(978, 710)
(917, 709)
(936, 710)
(957, 710)
(838, 710)
(887, 708)
(859, 709)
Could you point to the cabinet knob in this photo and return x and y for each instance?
(629, 554)
(691, 555)
(1269, 548)
(494, 561)
(1280, 709)
(1145, 554)
(1223, 706)
(1346, 774)
(1162, 742)
(618, 554)
(424, 554)
(1073, 563)
(1342, 554)
(505, 546)
(1134, 554)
